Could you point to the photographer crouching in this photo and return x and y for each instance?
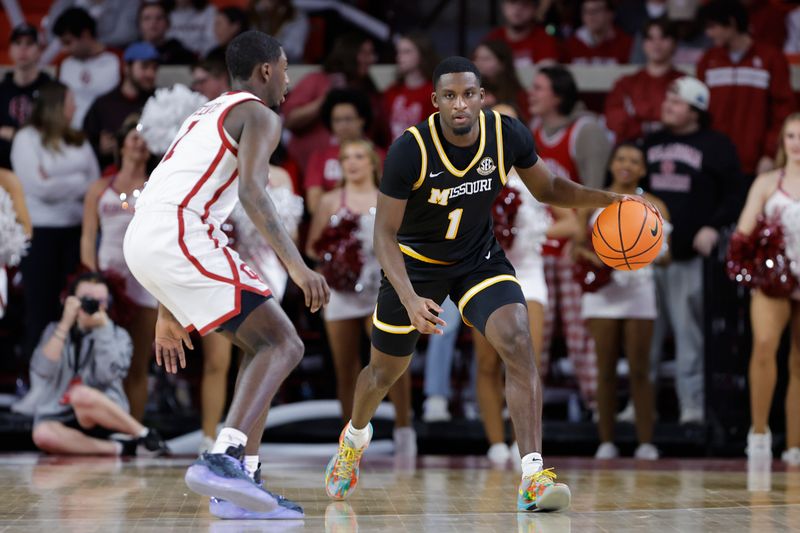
(81, 362)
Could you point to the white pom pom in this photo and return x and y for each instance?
(165, 112)
(790, 219)
(13, 243)
(369, 279)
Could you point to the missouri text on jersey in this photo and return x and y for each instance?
(441, 196)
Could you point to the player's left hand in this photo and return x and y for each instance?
(314, 287)
(170, 338)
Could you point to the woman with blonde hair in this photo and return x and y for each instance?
(344, 221)
(775, 195)
(55, 165)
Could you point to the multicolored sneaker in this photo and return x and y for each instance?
(223, 476)
(341, 475)
(540, 492)
(287, 509)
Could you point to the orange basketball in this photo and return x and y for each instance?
(627, 235)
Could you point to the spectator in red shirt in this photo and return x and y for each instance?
(751, 94)
(346, 66)
(633, 107)
(499, 79)
(346, 114)
(529, 42)
(598, 41)
(408, 101)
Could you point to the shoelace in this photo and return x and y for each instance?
(544, 476)
(346, 460)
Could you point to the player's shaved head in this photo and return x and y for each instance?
(249, 49)
(454, 65)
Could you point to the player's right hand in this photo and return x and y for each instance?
(314, 288)
(419, 311)
(170, 338)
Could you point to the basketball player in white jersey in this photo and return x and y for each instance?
(176, 250)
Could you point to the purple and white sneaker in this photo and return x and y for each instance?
(287, 509)
(222, 475)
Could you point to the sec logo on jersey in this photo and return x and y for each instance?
(486, 166)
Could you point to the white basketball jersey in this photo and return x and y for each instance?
(199, 172)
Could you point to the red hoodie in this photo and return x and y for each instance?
(749, 99)
(633, 107)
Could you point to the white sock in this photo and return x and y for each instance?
(531, 464)
(251, 464)
(229, 437)
(359, 437)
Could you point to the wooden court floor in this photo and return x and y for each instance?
(438, 494)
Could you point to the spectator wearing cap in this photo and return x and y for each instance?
(153, 27)
(18, 86)
(695, 172)
(633, 107)
(210, 76)
(108, 112)
(751, 93)
(347, 114)
(528, 41)
(89, 70)
(598, 41)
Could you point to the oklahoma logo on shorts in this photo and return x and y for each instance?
(486, 166)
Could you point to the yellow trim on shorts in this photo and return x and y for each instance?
(388, 328)
(462, 303)
(501, 164)
(424, 153)
(448, 165)
(410, 252)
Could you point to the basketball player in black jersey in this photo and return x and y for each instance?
(434, 238)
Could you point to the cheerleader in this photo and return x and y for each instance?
(620, 314)
(15, 229)
(776, 196)
(349, 312)
(534, 223)
(108, 209)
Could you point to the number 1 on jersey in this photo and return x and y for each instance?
(455, 220)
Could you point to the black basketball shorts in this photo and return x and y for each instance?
(478, 294)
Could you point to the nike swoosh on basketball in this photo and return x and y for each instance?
(654, 231)
(432, 175)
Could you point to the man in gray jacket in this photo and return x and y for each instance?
(77, 370)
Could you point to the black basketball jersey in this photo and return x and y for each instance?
(447, 221)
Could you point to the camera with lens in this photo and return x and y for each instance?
(90, 305)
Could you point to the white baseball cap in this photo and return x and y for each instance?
(692, 91)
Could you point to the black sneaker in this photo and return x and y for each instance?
(128, 446)
(153, 443)
(222, 476)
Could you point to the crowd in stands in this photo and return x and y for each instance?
(695, 144)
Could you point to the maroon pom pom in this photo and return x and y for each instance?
(340, 254)
(587, 274)
(504, 214)
(759, 260)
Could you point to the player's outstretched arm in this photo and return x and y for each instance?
(562, 192)
(260, 133)
(388, 217)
